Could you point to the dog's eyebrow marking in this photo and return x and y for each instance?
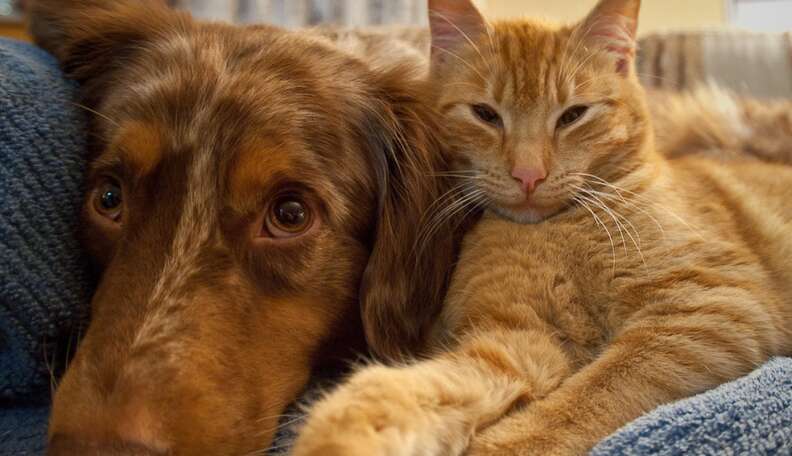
(140, 146)
(257, 163)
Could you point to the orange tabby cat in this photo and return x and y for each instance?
(628, 281)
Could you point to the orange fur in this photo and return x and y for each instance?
(632, 280)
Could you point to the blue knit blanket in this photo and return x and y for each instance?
(750, 416)
(45, 284)
(45, 287)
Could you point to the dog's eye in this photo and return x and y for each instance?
(487, 114)
(571, 115)
(289, 216)
(109, 200)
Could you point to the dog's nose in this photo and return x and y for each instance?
(68, 445)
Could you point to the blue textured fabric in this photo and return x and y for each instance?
(45, 283)
(749, 416)
(23, 431)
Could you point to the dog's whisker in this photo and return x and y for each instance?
(95, 112)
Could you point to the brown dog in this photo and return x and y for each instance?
(244, 183)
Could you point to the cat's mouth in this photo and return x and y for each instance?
(527, 211)
(517, 206)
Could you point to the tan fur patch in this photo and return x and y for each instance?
(258, 162)
(140, 146)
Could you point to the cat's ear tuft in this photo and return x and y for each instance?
(612, 26)
(454, 24)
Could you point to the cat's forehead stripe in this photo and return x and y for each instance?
(525, 84)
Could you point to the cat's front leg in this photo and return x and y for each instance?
(662, 357)
(433, 407)
(524, 432)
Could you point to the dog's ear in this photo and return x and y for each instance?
(413, 253)
(91, 38)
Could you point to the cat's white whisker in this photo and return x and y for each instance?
(636, 242)
(618, 218)
(571, 78)
(472, 198)
(600, 223)
(461, 32)
(624, 218)
(630, 204)
(460, 174)
(429, 220)
(462, 84)
(620, 197)
(579, 38)
(598, 204)
(645, 200)
(465, 62)
(594, 194)
(458, 188)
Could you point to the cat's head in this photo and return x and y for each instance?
(535, 111)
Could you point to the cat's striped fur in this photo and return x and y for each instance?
(699, 112)
(641, 280)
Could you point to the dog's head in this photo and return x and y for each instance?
(244, 183)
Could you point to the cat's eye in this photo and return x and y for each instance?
(487, 114)
(571, 115)
(108, 200)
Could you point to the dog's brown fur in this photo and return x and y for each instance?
(202, 330)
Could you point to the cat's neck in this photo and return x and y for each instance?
(645, 168)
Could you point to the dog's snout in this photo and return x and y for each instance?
(70, 445)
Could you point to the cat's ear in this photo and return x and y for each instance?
(454, 24)
(612, 27)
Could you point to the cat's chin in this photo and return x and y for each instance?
(528, 215)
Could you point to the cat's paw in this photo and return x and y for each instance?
(366, 429)
(376, 413)
(362, 441)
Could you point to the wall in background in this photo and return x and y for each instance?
(766, 15)
(11, 24)
(655, 14)
(300, 13)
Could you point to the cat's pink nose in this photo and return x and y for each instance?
(529, 178)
